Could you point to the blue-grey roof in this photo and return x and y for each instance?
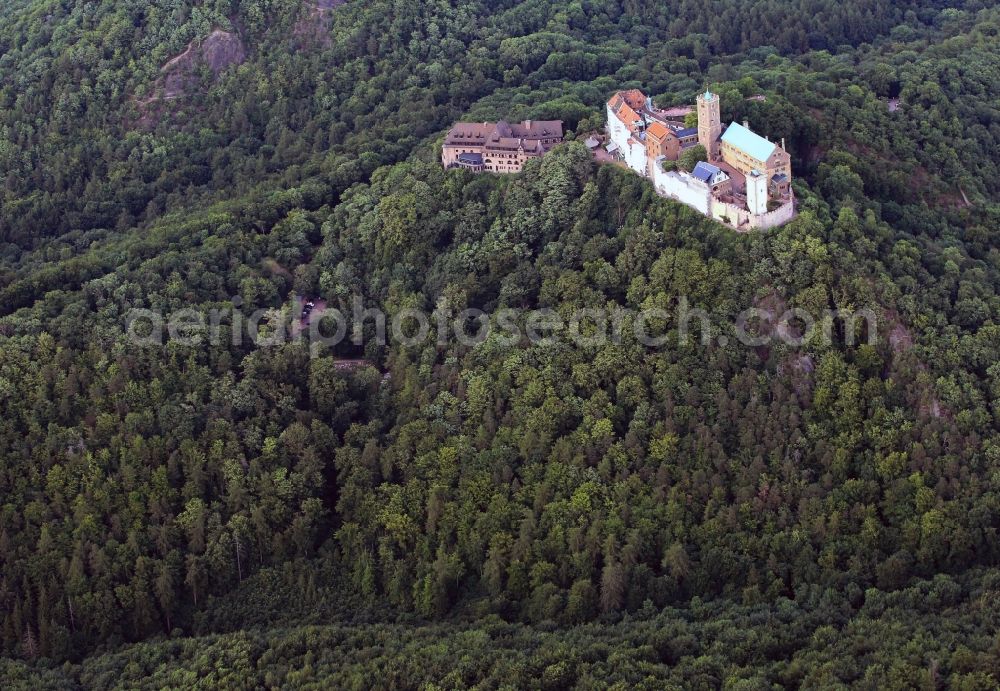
(749, 142)
(470, 158)
(705, 171)
(687, 132)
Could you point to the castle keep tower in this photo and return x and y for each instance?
(709, 123)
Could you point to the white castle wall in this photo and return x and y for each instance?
(632, 150)
(783, 214)
(635, 156)
(683, 188)
(734, 215)
(617, 131)
(742, 219)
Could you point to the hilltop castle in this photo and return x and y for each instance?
(746, 181)
(498, 147)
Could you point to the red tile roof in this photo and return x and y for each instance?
(658, 130)
(629, 117)
(635, 98)
(504, 134)
(619, 105)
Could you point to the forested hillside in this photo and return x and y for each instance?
(545, 514)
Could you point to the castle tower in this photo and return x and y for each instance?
(709, 123)
(757, 192)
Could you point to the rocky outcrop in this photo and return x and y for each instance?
(219, 50)
(222, 49)
(179, 75)
(313, 27)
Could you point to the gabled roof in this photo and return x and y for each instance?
(705, 171)
(748, 142)
(635, 98)
(658, 130)
(626, 106)
(503, 133)
(502, 129)
(537, 129)
(628, 117)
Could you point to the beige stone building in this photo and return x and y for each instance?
(742, 148)
(499, 147)
(747, 151)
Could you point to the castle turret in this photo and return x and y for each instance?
(709, 123)
(757, 192)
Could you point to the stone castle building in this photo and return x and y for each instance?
(746, 180)
(709, 123)
(639, 132)
(740, 147)
(498, 147)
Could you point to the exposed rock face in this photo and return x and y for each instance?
(178, 76)
(900, 339)
(222, 49)
(799, 368)
(218, 50)
(313, 26)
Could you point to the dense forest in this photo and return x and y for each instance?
(442, 515)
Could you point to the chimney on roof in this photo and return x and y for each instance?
(746, 124)
(782, 142)
(527, 123)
